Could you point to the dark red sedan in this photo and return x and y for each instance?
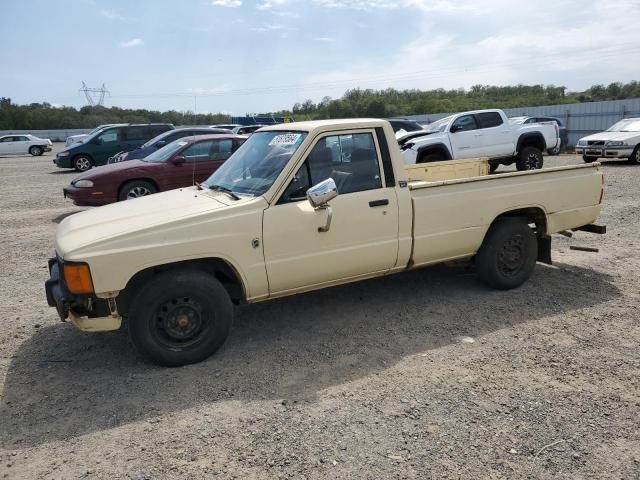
(178, 164)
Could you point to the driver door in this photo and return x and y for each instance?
(363, 236)
(466, 139)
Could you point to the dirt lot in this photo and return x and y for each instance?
(421, 375)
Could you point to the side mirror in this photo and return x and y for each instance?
(178, 160)
(98, 141)
(456, 128)
(319, 195)
(161, 143)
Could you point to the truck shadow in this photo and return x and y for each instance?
(62, 383)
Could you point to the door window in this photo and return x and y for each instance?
(351, 160)
(464, 123)
(6, 139)
(489, 119)
(109, 136)
(221, 149)
(198, 152)
(135, 133)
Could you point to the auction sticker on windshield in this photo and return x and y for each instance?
(285, 139)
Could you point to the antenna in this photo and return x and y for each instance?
(95, 96)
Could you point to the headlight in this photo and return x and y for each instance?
(83, 184)
(63, 154)
(581, 143)
(614, 143)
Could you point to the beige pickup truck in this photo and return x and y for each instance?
(299, 207)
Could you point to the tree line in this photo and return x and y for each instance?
(354, 103)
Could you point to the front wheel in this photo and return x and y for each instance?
(135, 189)
(529, 158)
(634, 159)
(82, 163)
(508, 254)
(180, 317)
(36, 151)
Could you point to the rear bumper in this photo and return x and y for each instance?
(605, 152)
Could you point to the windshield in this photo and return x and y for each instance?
(253, 168)
(165, 153)
(157, 138)
(438, 125)
(628, 125)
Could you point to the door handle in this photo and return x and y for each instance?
(477, 134)
(379, 203)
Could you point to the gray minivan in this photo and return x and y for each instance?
(97, 148)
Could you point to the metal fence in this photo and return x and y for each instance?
(581, 119)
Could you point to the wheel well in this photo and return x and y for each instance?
(82, 155)
(218, 268)
(151, 181)
(533, 215)
(433, 149)
(533, 141)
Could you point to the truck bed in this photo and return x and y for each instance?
(451, 217)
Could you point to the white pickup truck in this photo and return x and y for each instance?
(298, 207)
(481, 133)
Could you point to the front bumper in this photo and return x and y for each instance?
(90, 314)
(87, 197)
(62, 162)
(605, 152)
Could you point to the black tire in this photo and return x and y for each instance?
(529, 158)
(180, 317)
(82, 163)
(634, 159)
(36, 151)
(431, 157)
(135, 189)
(508, 254)
(493, 167)
(586, 159)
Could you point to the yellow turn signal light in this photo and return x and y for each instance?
(78, 278)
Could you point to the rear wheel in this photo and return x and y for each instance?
(589, 159)
(36, 151)
(493, 167)
(508, 254)
(635, 156)
(82, 163)
(529, 158)
(180, 317)
(135, 189)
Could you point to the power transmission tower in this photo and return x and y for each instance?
(95, 96)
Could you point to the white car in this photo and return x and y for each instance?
(22, 144)
(622, 140)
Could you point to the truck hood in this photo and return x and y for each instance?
(612, 136)
(101, 227)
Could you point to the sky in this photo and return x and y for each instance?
(242, 56)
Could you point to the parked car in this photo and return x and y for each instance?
(621, 140)
(71, 139)
(299, 207)
(161, 140)
(246, 130)
(179, 164)
(23, 144)
(481, 133)
(402, 125)
(96, 149)
(562, 130)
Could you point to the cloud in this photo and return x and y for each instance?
(324, 39)
(269, 4)
(134, 42)
(227, 3)
(357, 4)
(270, 27)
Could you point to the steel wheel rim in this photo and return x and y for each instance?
(511, 257)
(137, 192)
(180, 322)
(532, 161)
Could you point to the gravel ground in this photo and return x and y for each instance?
(426, 374)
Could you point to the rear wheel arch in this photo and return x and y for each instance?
(534, 215)
(218, 268)
(532, 140)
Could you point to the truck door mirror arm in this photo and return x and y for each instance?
(319, 196)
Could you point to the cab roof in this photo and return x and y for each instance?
(308, 126)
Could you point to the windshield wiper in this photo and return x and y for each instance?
(220, 188)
